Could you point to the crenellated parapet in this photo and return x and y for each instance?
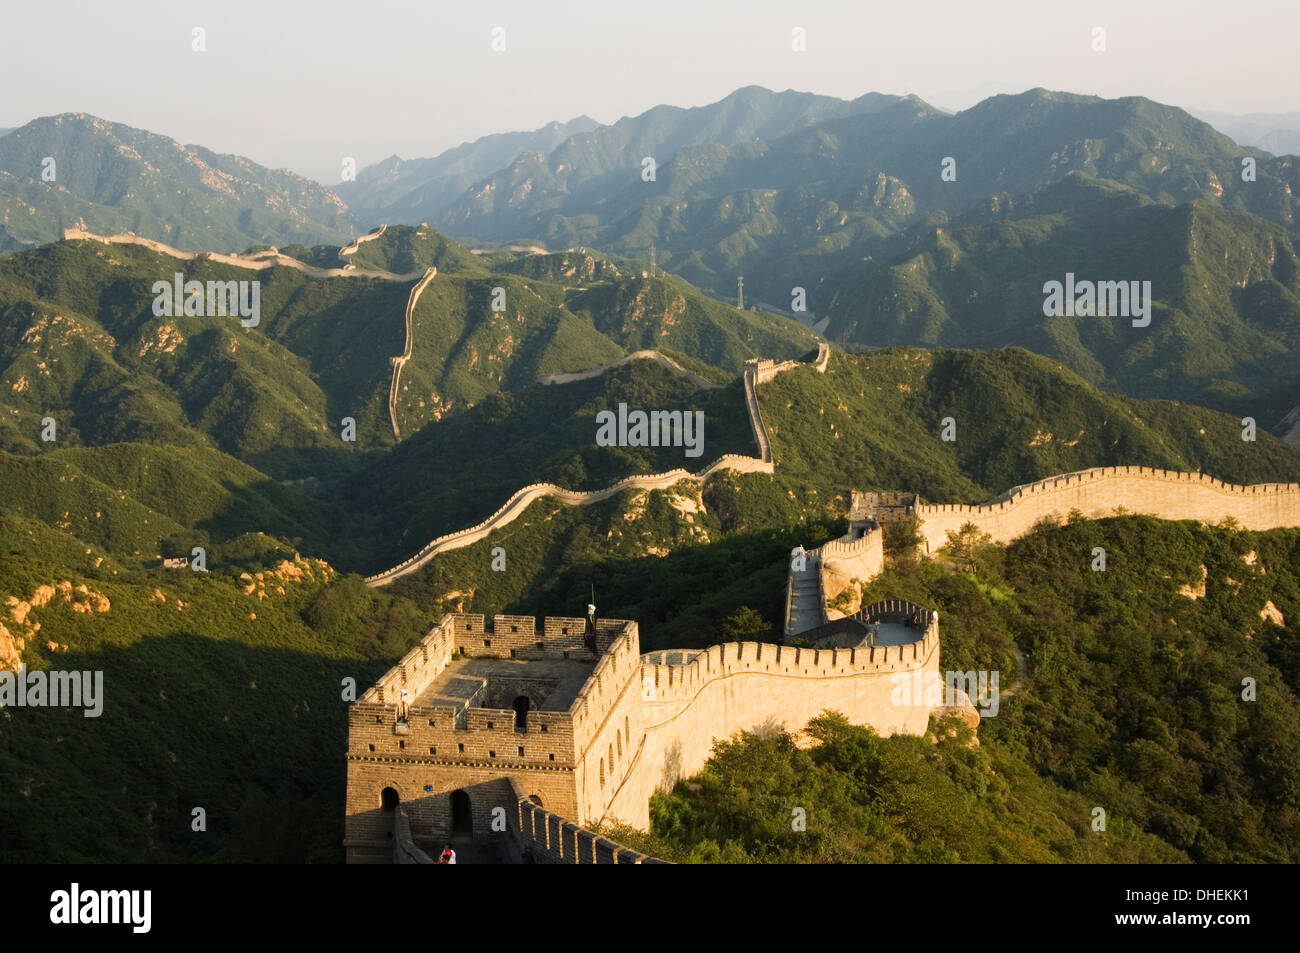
(1106, 491)
(594, 751)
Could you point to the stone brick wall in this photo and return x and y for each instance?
(862, 558)
(638, 723)
(747, 686)
(551, 839)
(418, 668)
(609, 725)
(1167, 494)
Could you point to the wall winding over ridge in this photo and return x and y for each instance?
(347, 251)
(515, 506)
(1168, 494)
(400, 362)
(257, 261)
(651, 355)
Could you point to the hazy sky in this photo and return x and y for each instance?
(303, 84)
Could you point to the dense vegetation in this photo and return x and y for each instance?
(80, 342)
(877, 420)
(220, 691)
(1225, 309)
(1136, 698)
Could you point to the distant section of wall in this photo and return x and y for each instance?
(400, 361)
(514, 507)
(1099, 492)
(347, 251)
(756, 371)
(256, 261)
(651, 355)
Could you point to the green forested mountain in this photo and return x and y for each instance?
(415, 190)
(583, 170)
(403, 249)
(1224, 320)
(823, 191)
(80, 342)
(873, 421)
(856, 210)
(113, 178)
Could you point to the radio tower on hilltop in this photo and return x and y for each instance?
(740, 292)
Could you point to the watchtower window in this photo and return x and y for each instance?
(372, 747)
(552, 757)
(541, 645)
(602, 772)
(431, 723)
(564, 630)
(514, 628)
(492, 754)
(432, 750)
(379, 719)
(489, 726)
(521, 705)
(461, 747)
(521, 751)
(487, 643)
(543, 727)
(402, 745)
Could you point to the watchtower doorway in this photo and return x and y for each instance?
(389, 799)
(462, 821)
(521, 706)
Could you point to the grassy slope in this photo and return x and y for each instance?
(874, 421)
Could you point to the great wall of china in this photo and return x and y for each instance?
(662, 359)
(258, 261)
(400, 362)
(756, 371)
(1101, 491)
(585, 727)
(592, 768)
(640, 721)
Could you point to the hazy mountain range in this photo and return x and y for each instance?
(846, 200)
(1279, 133)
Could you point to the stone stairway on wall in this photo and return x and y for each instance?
(805, 609)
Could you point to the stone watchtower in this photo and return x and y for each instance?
(556, 711)
(508, 741)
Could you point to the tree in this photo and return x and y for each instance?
(902, 538)
(964, 544)
(744, 624)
